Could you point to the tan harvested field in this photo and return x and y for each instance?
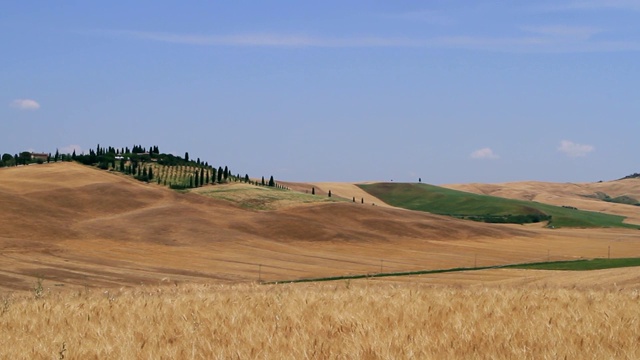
(76, 226)
(262, 197)
(343, 190)
(341, 320)
(569, 194)
(608, 279)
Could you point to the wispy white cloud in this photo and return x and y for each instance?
(572, 149)
(538, 39)
(564, 31)
(484, 153)
(232, 40)
(25, 104)
(269, 40)
(69, 149)
(426, 16)
(625, 5)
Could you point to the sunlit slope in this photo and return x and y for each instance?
(444, 201)
(253, 197)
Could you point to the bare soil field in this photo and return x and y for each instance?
(76, 227)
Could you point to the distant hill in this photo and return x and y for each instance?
(632, 176)
(611, 197)
(623, 199)
(439, 200)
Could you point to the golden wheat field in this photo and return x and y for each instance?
(341, 320)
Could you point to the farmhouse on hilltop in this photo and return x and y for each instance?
(39, 156)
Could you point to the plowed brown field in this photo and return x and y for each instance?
(76, 226)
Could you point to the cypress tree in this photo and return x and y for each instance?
(56, 156)
(150, 174)
(220, 174)
(329, 193)
(313, 191)
(262, 181)
(272, 183)
(213, 175)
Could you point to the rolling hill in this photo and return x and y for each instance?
(76, 226)
(462, 204)
(580, 195)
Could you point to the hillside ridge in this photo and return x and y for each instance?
(80, 226)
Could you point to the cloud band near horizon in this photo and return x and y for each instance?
(560, 39)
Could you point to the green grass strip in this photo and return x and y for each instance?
(580, 265)
(377, 275)
(575, 265)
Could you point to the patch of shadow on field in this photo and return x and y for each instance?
(196, 274)
(12, 283)
(392, 227)
(88, 277)
(301, 229)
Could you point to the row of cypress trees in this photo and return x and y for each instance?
(138, 161)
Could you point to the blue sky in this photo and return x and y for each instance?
(449, 91)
